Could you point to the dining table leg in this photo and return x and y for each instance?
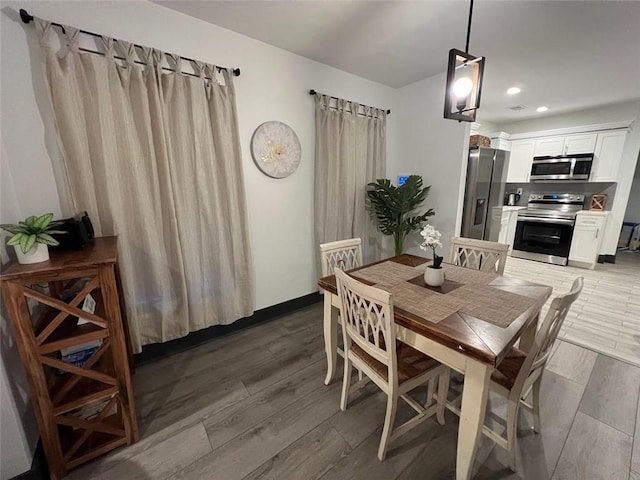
(330, 337)
(474, 404)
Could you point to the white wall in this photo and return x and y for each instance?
(618, 112)
(274, 85)
(486, 128)
(18, 432)
(435, 148)
(625, 179)
(632, 213)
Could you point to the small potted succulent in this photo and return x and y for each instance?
(433, 274)
(32, 237)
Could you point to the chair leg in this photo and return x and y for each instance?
(512, 432)
(346, 382)
(535, 403)
(392, 406)
(431, 387)
(443, 390)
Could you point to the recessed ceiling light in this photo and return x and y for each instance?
(542, 109)
(513, 91)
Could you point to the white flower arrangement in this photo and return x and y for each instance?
(431, 241)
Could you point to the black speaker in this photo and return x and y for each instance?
(78, 232)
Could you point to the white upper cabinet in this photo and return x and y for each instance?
(520, 161)
(608, 153)
(565, 145)
(549, 146)
(580, 143)
(605, 143)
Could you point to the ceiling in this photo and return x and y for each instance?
(567, 55)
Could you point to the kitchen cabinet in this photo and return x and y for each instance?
(585, 143)
(587, 238)
(607, 157)
(549, 146)
(520, 160)
(565, 145)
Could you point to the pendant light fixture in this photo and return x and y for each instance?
(464, 82)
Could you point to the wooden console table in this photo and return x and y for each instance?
(83, 410)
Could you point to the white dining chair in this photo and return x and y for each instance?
(521, 373)
(370, 344)
(479, 254)
(345, 254)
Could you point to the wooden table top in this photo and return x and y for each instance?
(472, 336)
(101, 250)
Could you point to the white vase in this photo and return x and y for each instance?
(434, 277)
(38, 253)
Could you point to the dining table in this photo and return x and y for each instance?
(469, 323)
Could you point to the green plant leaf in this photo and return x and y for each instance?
(47, 239)
(393, 208)
(27, 242)
(43, 221)
(30, 221)
(54, 232)
(15, 240)
(12, 228)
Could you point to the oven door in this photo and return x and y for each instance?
(552, 169)
(545, 239)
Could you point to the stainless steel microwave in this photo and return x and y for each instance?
(562, 168)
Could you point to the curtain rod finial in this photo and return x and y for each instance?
(236, 72)
(24, 16)
(312, 92)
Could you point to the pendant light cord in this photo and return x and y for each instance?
(466, 50)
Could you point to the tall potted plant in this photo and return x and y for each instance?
(32, 237)
(394, 208)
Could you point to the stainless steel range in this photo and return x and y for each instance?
(545, 228)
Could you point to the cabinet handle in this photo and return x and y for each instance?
(597, 232)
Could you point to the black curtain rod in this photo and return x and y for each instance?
(313, 92)
(27, 18)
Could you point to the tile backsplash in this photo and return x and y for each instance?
(586, 188)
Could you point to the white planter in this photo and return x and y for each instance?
(39, 253)
(434, 277)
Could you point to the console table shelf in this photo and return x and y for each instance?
(84, 409)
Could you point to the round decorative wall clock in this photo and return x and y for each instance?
(275, 149)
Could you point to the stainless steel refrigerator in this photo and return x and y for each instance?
(484, 193)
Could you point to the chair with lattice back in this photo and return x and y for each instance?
(479, 254)
(521, 372)
(370, 345)
(345, 254)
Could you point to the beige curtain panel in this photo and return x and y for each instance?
(350, 152)
(154, 158)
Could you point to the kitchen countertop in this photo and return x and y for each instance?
(511, 208)
(595, 212)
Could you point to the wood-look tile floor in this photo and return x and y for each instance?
(606, 316)
(252, 405)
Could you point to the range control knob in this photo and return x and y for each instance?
(572, 197)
